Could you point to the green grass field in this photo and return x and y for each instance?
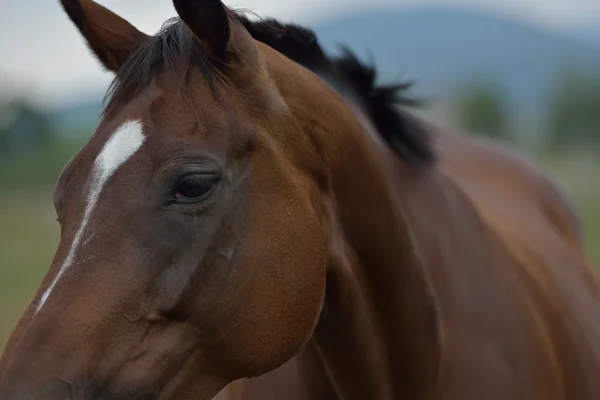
(29, 236)
(28, 240)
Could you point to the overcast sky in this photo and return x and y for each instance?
(42, 52)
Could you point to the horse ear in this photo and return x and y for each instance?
(209, 21)
(110, 37)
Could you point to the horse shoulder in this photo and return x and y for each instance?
(540, 229)
(486, 170)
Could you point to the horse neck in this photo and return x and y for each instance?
(377, 336)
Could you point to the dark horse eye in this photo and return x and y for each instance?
(194, 188)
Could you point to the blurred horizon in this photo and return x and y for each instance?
(71, 74)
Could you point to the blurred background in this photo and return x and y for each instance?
(526, 72)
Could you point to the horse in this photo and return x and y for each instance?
(254, 218)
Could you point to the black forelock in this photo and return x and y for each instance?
(175, 47)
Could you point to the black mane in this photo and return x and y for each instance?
(174, 46)
(381, 103)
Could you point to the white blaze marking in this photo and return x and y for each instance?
(123, 144)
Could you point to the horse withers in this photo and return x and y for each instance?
(254, 219)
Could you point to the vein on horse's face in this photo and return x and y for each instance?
(121, 146)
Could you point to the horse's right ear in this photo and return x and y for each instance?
(110, 37)
(208, 20)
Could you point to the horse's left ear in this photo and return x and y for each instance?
(209, 21)
(109, 36)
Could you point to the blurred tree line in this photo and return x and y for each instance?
(32, 154)
(571, 116)
(483, 109)
(574, 113)
(23, 127)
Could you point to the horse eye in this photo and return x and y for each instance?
(194, 188)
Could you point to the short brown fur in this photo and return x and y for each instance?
(320, 263)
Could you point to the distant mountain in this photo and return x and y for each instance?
(588, 32)
(444, 48)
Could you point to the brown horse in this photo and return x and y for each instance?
(251, 208)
